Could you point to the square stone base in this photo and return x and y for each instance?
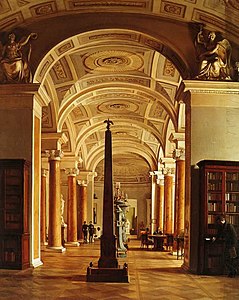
(107, 275)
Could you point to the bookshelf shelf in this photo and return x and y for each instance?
(219, 194)
(14, 215)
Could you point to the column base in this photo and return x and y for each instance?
(56, 249)
(36, 263)
(72, 244)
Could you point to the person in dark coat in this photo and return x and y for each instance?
(91, 232)
(85, 231)
(227, 232)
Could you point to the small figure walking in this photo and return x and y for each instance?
(91, 232)
(85, 231)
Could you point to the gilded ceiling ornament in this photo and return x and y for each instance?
(121, 106)
(14, 59)
(113, 60)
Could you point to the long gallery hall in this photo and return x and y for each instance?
(153, 275)
(120, 117)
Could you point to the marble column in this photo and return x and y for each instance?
(154, 208)
(43, 206)
(160, 200)
(179, 155)
(54, 230)
(168, 201)
(81, 207)
(72, 208)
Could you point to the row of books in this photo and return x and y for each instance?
(231, 207)
(214, 186)
(215, 206)
(231, 197)
(233, 219)
(232, 186)
(214, 197)
(215, 175)
(211, 219)
(218, 175)
(232, 175)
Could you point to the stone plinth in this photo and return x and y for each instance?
(107, 274)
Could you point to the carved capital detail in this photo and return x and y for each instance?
(72, 171)
(179, 154)
(169, 171)
(82, 182)
(54, 154)
(44, 172)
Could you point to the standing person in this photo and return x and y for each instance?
(91, 231)
(85, 228)
(227, 232)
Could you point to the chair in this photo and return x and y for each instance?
(145, 241)
(169, 241)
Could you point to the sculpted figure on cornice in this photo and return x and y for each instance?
(14, 59)
(214, 54)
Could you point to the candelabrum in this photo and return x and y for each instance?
(121, 209)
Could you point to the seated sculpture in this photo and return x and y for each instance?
(14, 60)
(214, 56)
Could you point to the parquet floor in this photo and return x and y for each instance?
(153, 275)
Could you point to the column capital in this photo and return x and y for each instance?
(160, 176)
(178, 138)
(54, 154)
(168, 165)
(72, 171)
(44, 172)
(169, 171)
(179, 154)
(81, 182)
(87, 176)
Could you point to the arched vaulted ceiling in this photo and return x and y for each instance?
(123, 60)
(104, 74)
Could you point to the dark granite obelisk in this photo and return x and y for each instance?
(108, 269)
(108, 239)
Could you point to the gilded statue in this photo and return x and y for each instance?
(214, 56)
(14, 59)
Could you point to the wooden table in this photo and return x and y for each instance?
(158, 241)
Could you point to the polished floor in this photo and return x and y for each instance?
(153, 275)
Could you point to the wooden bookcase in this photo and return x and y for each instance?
(14, 214)
(219, 193)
